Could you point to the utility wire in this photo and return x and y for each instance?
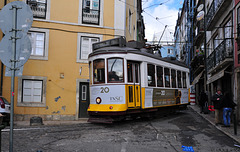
(69, 31)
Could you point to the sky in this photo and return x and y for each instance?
(157, 14)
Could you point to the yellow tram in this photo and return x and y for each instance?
(128, 80)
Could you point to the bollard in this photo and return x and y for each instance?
(235, 123)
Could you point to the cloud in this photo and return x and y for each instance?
(156, 17)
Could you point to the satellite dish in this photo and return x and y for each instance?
(200, 7)
(24, 17)
(200, 15)
(23, 50)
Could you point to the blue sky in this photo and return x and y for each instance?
(157, 14)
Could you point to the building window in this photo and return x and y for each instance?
(151, 75)
(39, 39)
(91, 11)
(40, 8)
(84, 48)
(238, 21)
(228, 37)
(32, 91)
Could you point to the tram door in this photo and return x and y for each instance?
(133, 87)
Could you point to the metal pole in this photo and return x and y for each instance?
(13, 64)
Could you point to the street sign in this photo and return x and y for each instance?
(24, 17)
(23, 50)
(18, 72)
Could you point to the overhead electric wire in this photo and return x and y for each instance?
(63, 30)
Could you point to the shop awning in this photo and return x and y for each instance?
(216, 76)
(196, 79)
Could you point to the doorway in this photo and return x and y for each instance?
(133, 87)
(83, 99)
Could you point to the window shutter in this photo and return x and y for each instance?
(32, 91)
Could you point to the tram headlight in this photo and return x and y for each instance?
(98, 100)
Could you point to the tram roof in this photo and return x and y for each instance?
(143, 51)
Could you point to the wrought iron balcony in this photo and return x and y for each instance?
(197, 63)
(199, 31)
(216, 9)
(90, 16)
(222, 52)
(38, 8)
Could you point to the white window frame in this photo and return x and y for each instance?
(46, 42)
(20, 91)
(100, 18)
(80, 35)
(47, 12)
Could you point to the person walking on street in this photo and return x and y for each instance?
(228, 106)
(202, 101)
(217, 102)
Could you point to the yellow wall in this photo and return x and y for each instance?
(62, 52)
(133, 8)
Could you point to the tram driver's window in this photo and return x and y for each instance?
(115, 70)
(151, 75)
(173, 78)
(184, 80)
(179, 79)
(159, 76)
(99, 71)
(167, 77)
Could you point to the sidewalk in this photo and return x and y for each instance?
(210, 118)
(49, 123)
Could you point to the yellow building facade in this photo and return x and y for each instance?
(55, 80)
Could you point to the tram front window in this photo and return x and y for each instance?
(99, 71)
(115, 70)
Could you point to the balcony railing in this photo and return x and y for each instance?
(90, 16)
(38, 8)
(197, 62)
(216, 9)
(223, 51)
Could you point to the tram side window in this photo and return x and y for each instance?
(184, 80)
(159, 76)
(115, 70)
(99, 71)
(179, 79)
(167, 77)
(151, 75)
(173, 78)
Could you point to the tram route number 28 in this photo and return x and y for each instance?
(104, 89)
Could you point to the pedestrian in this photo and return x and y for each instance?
(217, 102)
(228, 107)
(202, 101)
